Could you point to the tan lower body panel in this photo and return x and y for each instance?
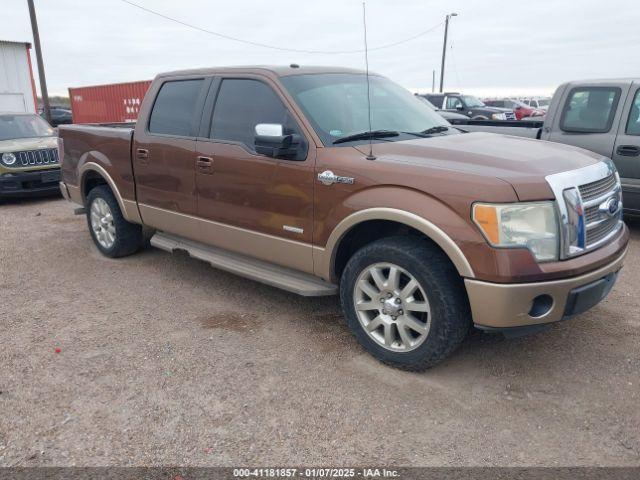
(264, 272)
(508, 305)
(277, 250)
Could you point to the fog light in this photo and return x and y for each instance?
(541, 305)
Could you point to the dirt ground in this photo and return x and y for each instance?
(163, 360)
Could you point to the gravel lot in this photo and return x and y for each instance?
(164, 360)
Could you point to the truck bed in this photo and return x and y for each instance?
(106, 144)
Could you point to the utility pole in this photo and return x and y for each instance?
(444, 47)
(433, 82)
(43, 80)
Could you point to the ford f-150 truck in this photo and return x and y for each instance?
(599, 115)
(286, 176)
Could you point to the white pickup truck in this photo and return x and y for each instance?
(600, 115)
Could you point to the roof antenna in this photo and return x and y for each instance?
(370, 156)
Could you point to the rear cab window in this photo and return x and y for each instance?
(590, 109)
(175, 108)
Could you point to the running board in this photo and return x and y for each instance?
(258, 270)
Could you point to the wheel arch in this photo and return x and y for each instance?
(92, 174)
(386, 221)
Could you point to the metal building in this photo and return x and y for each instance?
(17, 86)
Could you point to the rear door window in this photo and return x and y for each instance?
(175, 109)
(633, 123)
(590, 109)
(436, 100)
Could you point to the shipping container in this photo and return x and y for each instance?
(17, 87)
(118, 102)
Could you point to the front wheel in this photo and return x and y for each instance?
(111, 233)
(405, 302)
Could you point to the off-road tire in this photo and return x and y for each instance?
(450, 312)
(129, 236)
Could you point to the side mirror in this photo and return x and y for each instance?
(271, 141)
(460, 107)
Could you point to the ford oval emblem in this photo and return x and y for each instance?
(610, 206)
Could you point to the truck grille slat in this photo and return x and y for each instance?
(598, 188)
(603, 225)
(38, 157)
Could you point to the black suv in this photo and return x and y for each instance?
(469, 105)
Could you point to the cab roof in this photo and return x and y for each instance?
(274, 70)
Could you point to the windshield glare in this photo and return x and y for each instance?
(336, 105)
(23, 126)
(472, 101)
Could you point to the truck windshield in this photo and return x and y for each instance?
(23, 126)
(336, 105)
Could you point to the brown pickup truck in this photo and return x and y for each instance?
(284, 175)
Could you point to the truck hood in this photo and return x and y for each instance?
(522, 162)
(21, 144)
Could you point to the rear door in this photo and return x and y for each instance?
(163, 154)
(626, 154)
(250, 203)
(589, 116)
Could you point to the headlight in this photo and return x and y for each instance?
(498, 116)
(8, 158)
(530, 225)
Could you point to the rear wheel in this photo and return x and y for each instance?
(111, 233)
(405, 302)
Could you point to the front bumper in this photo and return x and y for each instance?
(30, 183)
(497, 306)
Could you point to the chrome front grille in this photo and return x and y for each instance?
(593, 190)
(602, 230)
(29, 158)
(589, 203)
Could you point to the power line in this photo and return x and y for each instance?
(275, 47)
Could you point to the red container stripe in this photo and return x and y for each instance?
(118, 102)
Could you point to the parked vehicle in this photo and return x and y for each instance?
(60, 116)
(537, 103)
(520, 109)
(17, 88)
(443, 113)
(599, 115)
(284, 175)
(469, 106)
(28, 156)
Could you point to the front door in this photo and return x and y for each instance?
(626, 153)
(164, 154)
(251, 203)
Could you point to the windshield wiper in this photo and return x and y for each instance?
(366, 135)
(436, 129)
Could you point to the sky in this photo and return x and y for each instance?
(496, 47)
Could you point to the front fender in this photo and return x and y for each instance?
(406, 206)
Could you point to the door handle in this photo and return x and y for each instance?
(204, 164)
(628, 150)
(142, 153)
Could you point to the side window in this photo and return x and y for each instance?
(633, 124)
(241, 105)
(590, 109)
(175, 107)
(453, 102)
